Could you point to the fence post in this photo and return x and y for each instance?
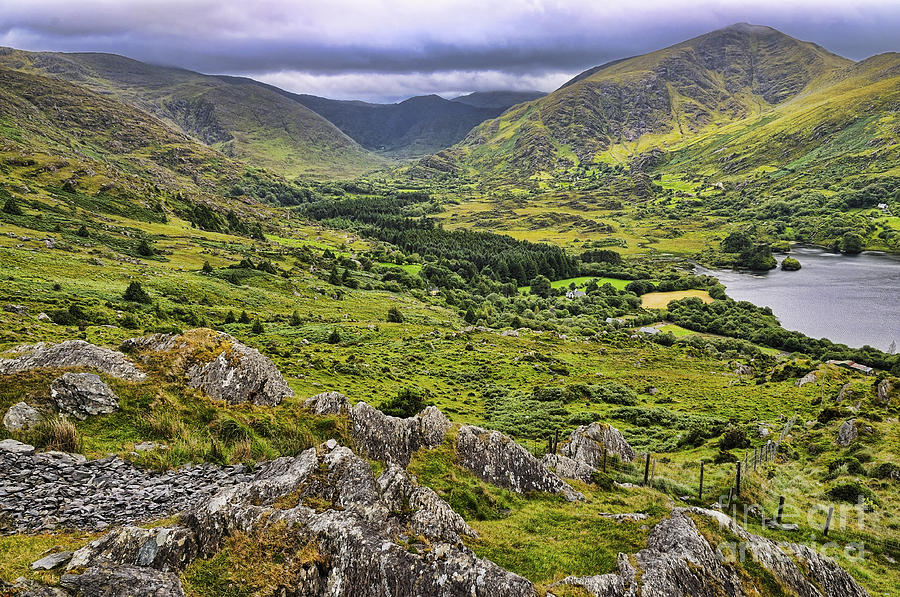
(646, 469)
(780, 509)
(828, 520)
(730, 496)
(737, 479)
(700, 495)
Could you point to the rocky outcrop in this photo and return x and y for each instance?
(588, 443)
(883, 391)
(393, 439)
(83, 395)
(847, 433)
(380, 436)
(568, 468)
(52, 490)
(497, 459)
(811, 377)
(679, 561)
(217, 364)
(363, 527)
(110, 580)
(70, 354)
(21, 417)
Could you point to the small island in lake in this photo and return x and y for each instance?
(789, 264)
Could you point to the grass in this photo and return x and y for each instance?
(660, 300)
(17, 552)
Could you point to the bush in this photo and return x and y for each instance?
(734, 437)
(296, 319)
(83, 232)
(12, 208)
(334, 337)
(850, 491)
(258, 327)
(244, 318)
(724, 457)
(885, 470)
(394, 315)
(145, 249)
(407, 403)
(135, 294)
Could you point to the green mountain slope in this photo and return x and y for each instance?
(669, 99)
(498, 99)
(236, 116)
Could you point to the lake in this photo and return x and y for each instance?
(851, 299)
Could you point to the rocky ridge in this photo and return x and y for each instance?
(70, 354)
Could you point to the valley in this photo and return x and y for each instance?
(531, 362)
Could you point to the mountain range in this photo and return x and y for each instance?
(734, 100)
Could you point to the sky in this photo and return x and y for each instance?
(379, 50)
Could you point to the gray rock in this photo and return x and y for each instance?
(54, 560)
(72, 353)
(847, 433)
(328, 403)
(149, 446)
(883, 391)
(625, 517)
(163, 548)
(43, 317)
(678, 560)
(587, 443)
(843, 393)
(14, 447)
(83, 395)
(21, 417)
(497, 459)
(568, 468)
(110, 580)
(219, 365)
(810, 377)
(17, 309)
(393, 439)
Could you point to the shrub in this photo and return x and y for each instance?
(145, 249)
(394, 315)
(296, 319)
(723, 457)
(207, 268)
(850, 491)
(334, 337)
(229, 317)
(407, 403)
(885, 470)
(135, 294)
(734, 437)
(83, 232)
(12, 208)
(258, 327)
(244, 318)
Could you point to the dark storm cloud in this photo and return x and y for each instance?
(382, 47)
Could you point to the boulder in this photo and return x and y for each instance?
(883, 391)
(847, 433)
(393, 439)
(217, 364)
(843, 393)
(588, 442)
(54, 560)
(163, 548)
(328, 403)
(16, 309)
(678, 560)
(21, 417)
(13, 447)
(810, 377)
(83, 395)
(72, 353)
(568, 468)
(43, 317)
(497, 459)
(111, 580)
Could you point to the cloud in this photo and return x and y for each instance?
(431, 46)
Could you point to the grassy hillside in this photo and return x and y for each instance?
(238, 117)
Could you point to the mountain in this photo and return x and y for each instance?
(498, 99)
(236, 116)
(417, 126)
(746, 78)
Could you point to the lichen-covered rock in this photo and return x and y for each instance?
(163, 548)
(361, 526)
(54, 560)
(11, 446)
(111, 580)
(328, 403)
(393, 439)
(72, 353)
(21, 417)
(847, 432)
(217, 364)
(16, 309)
(679, 561)
(497, 459)
(568, 468)
(883, 391)
(588, 442)
(83, 395)
(811, 377)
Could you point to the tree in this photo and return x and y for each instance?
(394, 315)
(541, 286)
(135, 294)
(334, 337)
(737, 242)
(229, 317)
(244, 318)
(469, 317)
(258, 327)
(83, 232)
(334, 277)
(11, 207)
(207, 268)
(851, 243)
(145, 249)
(296, 319)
